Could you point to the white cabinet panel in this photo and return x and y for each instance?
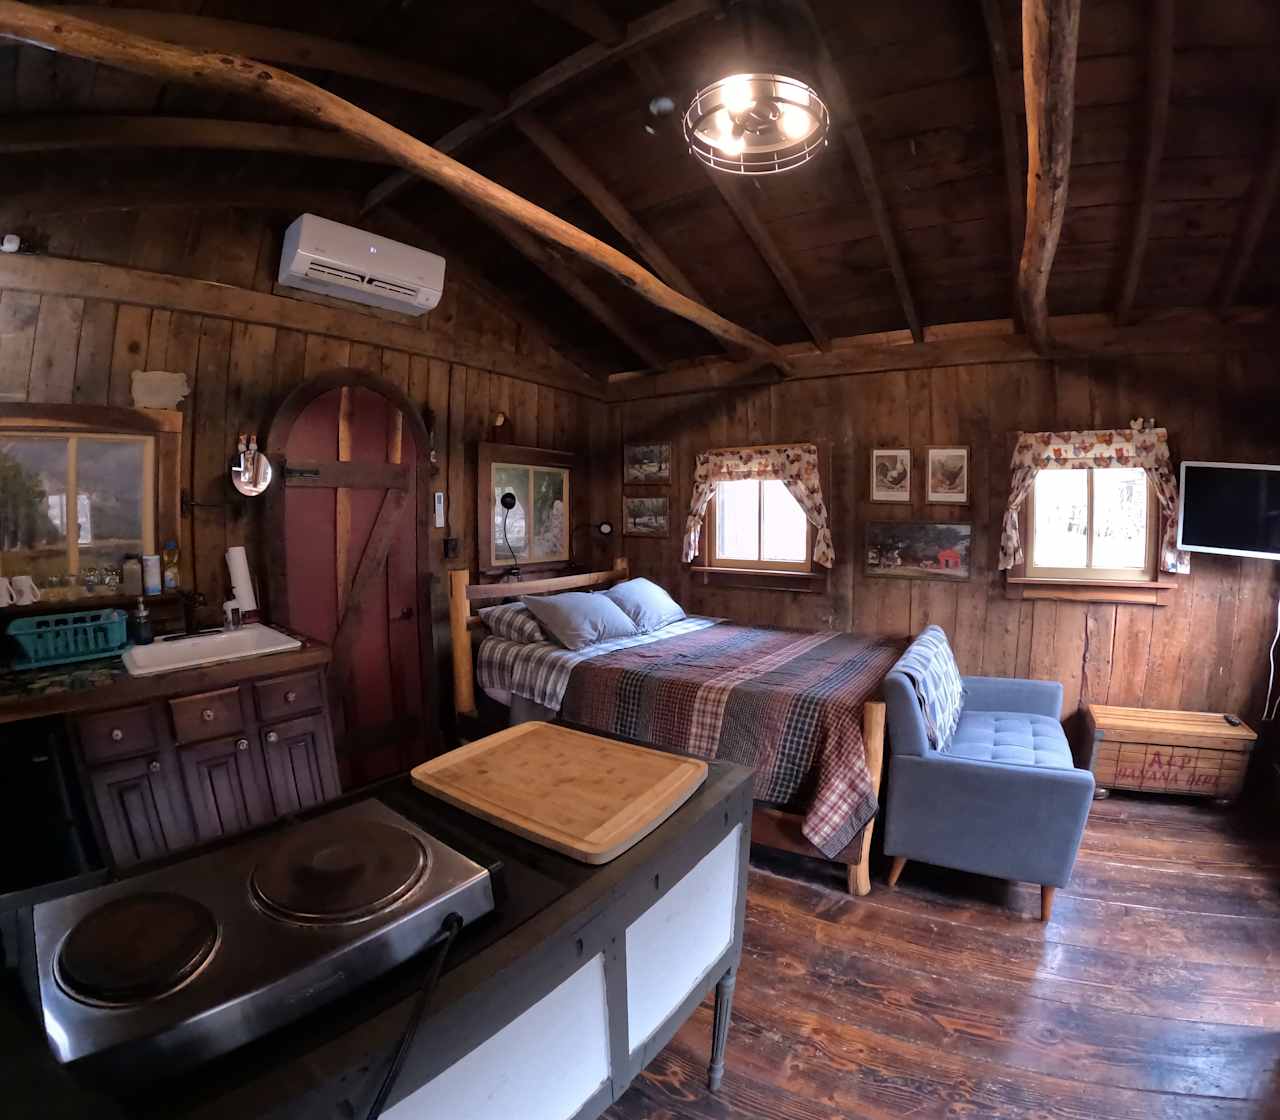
(544, 1065)
(674, 943)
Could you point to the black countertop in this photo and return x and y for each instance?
(539, 893)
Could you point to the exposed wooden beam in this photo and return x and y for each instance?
(1007, 104)
(291, 48)
(639, 32)
(588, 17)
(85, 39)
(735, 195)
(542, 255)
(54, 134)
(844, 113)
(1050, 34)
(1262, 197)
(1159, 79)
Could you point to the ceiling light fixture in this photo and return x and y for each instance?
(756, 124)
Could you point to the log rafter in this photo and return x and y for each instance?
(1261, 200)
(85, 39)
(588, 17)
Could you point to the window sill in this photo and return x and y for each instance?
(763, 579)
(1151, 593)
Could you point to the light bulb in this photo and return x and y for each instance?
(796, 123)
(737, 94)
(731, 145)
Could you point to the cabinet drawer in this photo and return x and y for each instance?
(207, 715)
(289, 696)
(117, 734)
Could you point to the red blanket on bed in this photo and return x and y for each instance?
(786, 702)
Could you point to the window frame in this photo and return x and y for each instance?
(788, 567)
(1099, 577)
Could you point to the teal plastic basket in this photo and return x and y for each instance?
(58, 639)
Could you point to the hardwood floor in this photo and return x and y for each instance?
(1153, 994)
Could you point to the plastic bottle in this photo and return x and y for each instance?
(131, 575)
(151, 575)
(171, 574)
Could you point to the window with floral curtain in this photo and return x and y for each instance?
(794, 464)
(1147, 448)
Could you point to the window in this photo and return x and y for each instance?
(757, 525)
(1092, 525)
(72, 503)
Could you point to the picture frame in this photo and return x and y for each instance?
(646, 516)
(539, 529)
(941, 550)
(890, 478)
(946, 476)
(646, 464)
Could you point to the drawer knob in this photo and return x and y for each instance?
(273, 736)
(207, 715)
(116, 734)
(290, 696)
(154, 766)
(242, 744)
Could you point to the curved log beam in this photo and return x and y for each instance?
(85, 39)
(1050, 32)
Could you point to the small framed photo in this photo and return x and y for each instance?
(646, 462)
(646, 517)
(891, 474)
(947, 475)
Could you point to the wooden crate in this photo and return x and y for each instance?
(1194, 753)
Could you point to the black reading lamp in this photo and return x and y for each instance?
(508, 503)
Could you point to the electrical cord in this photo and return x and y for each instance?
(1268, 711)
(452, 926)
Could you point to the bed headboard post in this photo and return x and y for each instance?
(621, 567)
(464, 685)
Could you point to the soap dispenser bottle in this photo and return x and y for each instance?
(142, 635)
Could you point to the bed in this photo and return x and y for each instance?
(801, 707)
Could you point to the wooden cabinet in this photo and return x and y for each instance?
(203, 765)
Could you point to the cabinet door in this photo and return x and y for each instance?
(300, 765)
(226, 786)
(138, 801)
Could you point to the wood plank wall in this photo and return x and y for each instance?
(62, 348)
(1205, 650)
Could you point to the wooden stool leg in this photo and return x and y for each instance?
(1046, 902)
(899, 862)
(720, 1028)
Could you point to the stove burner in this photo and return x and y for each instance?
(330, 873)
(136, 949)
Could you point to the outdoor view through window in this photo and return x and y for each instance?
(759, 524)
(1091, 524)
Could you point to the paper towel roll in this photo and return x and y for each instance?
(241, 584)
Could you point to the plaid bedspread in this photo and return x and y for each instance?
(786, 702)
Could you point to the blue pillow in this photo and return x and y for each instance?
(646, 604)
(577, 619)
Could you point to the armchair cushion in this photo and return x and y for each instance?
(1016, 738)
(1011, 694)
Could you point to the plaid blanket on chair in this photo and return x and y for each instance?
(786, 702)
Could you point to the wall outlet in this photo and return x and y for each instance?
(451, 548)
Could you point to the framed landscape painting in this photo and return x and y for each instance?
(646, 517)
(919, 549)
(891, 474)
(947, 475)
(646, 462)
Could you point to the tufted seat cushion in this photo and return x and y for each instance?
(1018, 738)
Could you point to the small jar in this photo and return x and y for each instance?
(151, 581)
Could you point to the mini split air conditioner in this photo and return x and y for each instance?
(345, 263)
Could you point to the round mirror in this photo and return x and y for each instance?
(251, 473)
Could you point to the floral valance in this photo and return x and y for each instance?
(1144, 447)
(795, 464)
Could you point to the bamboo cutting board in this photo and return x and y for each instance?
(588, 797)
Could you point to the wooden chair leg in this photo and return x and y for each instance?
(1046, 902)
(899, 862)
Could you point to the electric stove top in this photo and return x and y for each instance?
(196, 958)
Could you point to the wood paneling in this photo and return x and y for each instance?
(1205, 647)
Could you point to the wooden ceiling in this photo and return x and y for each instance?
(911, 218)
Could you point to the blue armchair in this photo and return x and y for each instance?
(981, 776)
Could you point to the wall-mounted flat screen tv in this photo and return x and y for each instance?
(1230, 508)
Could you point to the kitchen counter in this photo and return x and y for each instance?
(554, 919)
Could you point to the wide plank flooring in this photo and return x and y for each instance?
(1153, 994)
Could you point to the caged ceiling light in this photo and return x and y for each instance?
(756, 124)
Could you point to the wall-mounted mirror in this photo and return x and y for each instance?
(250, 469)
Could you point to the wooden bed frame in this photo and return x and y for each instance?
(772, 828)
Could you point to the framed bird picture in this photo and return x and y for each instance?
(947, 476)
(891, 474)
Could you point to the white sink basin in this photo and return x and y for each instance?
(252, 640)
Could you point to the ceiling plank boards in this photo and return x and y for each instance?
(1262, 197)
(85, 39)
(844, 111)
(588, 17)
(1159, 80)
(291, 48)
(555, 78)
(1050, 34)
(1011, 148)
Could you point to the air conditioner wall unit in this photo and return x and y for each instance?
(336, 260)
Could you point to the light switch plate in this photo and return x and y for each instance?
(439, 509)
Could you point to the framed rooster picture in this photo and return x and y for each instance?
(891, 474)
(947, 476)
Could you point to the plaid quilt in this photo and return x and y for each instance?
(786, 702)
